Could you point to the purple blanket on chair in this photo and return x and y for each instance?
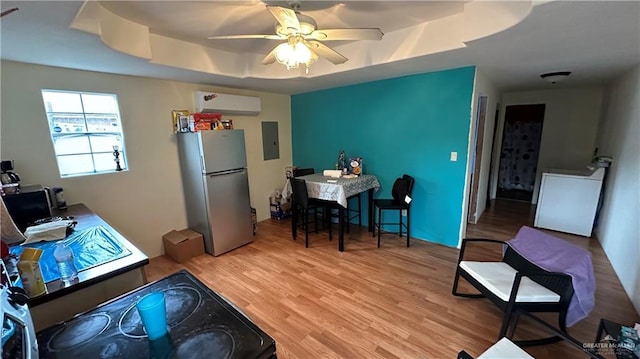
(556, 255)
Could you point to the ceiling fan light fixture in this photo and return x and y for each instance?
(294, 52)
(554, 77)
(303, 41)
(307, 26)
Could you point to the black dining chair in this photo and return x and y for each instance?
(401, 201)
(304, 208)
(297, 172)
(352, 213)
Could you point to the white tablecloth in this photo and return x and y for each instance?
(338, 190)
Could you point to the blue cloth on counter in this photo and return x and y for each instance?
(91, 247)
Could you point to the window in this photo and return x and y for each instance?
(86, 132)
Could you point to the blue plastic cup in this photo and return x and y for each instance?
(153, 313)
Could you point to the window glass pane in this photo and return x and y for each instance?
(75, 164)
(65, 145)
(103, 123)
(97, 103)
(62, 101)
(105, 162)
(84, 127)
(66, 123)
(105, 143)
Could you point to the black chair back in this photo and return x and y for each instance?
(410, 182)
(303, 172)
(402, 188)
(300, 196)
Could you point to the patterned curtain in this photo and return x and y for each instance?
(519, 157)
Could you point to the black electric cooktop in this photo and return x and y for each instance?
(201, 323)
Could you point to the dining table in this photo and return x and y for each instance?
(337, 190)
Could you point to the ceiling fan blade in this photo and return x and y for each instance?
(346, 34)
(286, 17)
(326, 52)
(233, 37)
(271, 56)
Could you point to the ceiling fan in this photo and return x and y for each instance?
(303, 38)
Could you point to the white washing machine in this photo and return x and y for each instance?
(568, 200)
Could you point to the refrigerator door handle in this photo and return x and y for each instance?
(226, 172)
(204, 170)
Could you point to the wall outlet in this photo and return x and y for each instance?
(454, 156)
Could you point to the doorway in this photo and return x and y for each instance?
(476, 157)
(519, 152)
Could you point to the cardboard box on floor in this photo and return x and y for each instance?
(183, 245)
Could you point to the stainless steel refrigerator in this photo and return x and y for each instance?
(216, 188)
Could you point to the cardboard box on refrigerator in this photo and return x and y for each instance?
(183, 245)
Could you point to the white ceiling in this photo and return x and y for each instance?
(596, 40)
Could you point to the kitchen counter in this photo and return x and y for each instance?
(587, 172)
(94, 285)
(201, 323)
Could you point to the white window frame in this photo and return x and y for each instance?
(56, 133)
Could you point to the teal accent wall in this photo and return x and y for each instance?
(402, 125)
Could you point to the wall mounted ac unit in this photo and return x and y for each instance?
(227, 104)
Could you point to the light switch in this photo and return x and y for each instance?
(454, 156)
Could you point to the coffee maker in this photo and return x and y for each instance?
(8, 176)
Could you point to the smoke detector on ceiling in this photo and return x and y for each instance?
(554, 77)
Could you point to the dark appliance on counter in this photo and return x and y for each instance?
(7, 175)
(202, 324)
(28, 204)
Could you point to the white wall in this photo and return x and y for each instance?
(568, 131)
(484, 87)
(147, 200)
(619, 137)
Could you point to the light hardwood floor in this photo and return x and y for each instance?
(389, 302)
